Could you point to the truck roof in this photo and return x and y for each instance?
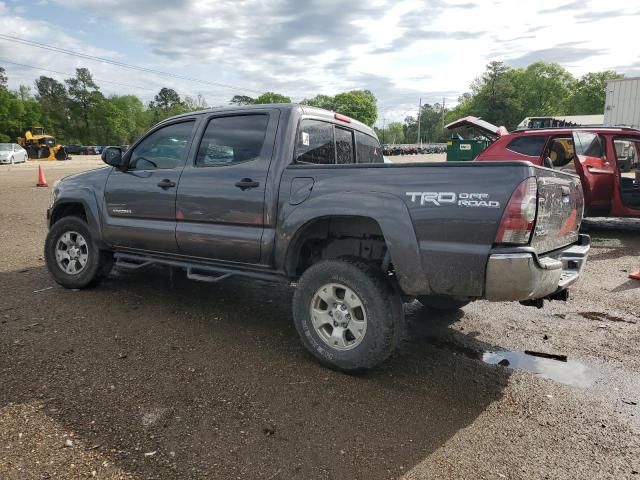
(302, 110)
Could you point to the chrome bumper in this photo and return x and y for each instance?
(525, 276)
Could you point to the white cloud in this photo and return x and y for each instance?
(401, 50)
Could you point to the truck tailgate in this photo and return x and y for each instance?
(560, 210)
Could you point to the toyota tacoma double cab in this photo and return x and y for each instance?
(302, 196)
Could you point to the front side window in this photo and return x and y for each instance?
(588, 144)
(315, 143)
(163, 149)
(229, 140)
(369, 150)
(531, 146)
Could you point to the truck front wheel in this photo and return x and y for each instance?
(72, 257)
(347, 314)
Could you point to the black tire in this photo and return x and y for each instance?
(561, 157)
(383, 307)
(99, 262)
(442, 302)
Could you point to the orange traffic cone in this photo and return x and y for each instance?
(42, 182)
(635, 275)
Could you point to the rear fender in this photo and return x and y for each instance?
(389, 211)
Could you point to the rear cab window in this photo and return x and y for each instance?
(315, 144)
(369, 150)
(324, 143)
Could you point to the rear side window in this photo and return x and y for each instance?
(315, 143)
(229, 140)
(588, 144)
(368, 148)
(530, 146)
(344, 146)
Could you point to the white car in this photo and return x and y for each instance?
(12, 153)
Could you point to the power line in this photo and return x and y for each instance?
(116, 63)
(71, 74)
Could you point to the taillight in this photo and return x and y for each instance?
(519, 216)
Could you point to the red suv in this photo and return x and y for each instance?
(606, 159)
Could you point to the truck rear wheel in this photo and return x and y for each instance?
(347, 314)
(442, 302)
(72, 257)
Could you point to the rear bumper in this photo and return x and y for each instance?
(525, 276)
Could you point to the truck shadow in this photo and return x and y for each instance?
(214, 379)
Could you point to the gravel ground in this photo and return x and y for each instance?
(152, 376)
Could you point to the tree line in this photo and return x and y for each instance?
(75, 111)
(505, 96)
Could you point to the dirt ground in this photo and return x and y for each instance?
(153, 376)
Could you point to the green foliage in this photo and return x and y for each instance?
(505, 96)
(391, 133)
(241, 100)
(589, 93)
(271, 97)
(84, 100)
(358, 104)
(75, 111)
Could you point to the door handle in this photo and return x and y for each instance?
(246, 183)
(166, 183)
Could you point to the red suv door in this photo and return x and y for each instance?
(596, 172)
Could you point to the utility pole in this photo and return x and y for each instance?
(383, 121)
(419, 110)
(443, 100)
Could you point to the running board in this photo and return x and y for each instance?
(195, 271)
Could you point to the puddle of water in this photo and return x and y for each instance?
(569, 373)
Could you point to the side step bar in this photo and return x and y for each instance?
(195, 271)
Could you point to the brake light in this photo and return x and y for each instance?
(342, 118)
(519, 216)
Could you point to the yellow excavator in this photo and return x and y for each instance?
(40, 146)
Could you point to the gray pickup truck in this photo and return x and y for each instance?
(299, 195)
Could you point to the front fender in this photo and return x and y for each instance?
(389, 211)
(86, 198)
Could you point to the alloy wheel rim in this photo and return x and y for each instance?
(338, 316)
(72, 252)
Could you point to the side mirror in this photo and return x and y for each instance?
(113, 156)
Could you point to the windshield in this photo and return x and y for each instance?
(5, 147)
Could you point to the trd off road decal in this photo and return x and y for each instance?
(439, 199)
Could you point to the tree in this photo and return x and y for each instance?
(391, 133)
(544, 90)
(358, 104)
(589, 94)
(241, 100)
(85, 98)
(166, 99)
(165, 104)
(494, 95)
(3, 79)
(54, 102)
(321, 101)
(124, 119)
(271, 97)
(194, 104)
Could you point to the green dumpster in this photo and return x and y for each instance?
(459, 150)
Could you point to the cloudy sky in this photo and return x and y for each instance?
(400, 50)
